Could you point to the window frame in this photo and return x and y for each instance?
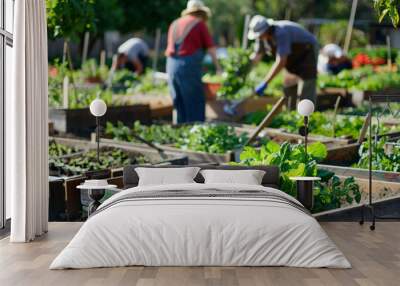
(6, 39)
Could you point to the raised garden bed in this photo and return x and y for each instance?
(215, 108)
(154, 157)
(385, 185)
(210, 142)
(81, 122)
(63, 192)
(161, 106)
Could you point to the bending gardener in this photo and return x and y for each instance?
(295, 50)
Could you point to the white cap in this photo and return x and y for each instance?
(258, 25)
(195, 6)
(332, 51)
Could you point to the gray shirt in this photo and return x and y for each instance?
(133, 48)
(287, 33)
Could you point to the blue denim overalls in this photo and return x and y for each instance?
(185, 83)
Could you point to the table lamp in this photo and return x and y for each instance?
(98, 108)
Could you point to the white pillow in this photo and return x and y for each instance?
(166, 176)
(247, 177)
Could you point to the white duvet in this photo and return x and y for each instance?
(200, 231)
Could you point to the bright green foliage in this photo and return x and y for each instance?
(236, 68)
(77, 97)
(88, 162)
(388, 8)
(58, 150)
(331, 193)
(80, 95)
(145, 84)
(320, 123)
(382, 159)
(374, 52)
(70, 18)
(240, 78)
(292, 162)
(159, 134)
(210, 138)
(346, 78)
(81, 98)
(213, 138)
(380, 81)
(90, 69)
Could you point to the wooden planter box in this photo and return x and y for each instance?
(175, 158)
(358, 96)
(384, 184)
(215, 108)
(70, 201)
(193, 156)
(327, 98)
(161, 106)
(281, 135)
(81, 122)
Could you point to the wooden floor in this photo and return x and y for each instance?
(375, 257)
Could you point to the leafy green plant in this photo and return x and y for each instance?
(58, 150)
(374, 52)
(388, 8)
(91, 70)
(332, 193)
(382, 159)
(346, 78)
(160, 134)
(293, 161)
(210, 138)
(146, 84)
(319, 123)
(236, 67)
(240, 78)
(77, 165)
(213, 138)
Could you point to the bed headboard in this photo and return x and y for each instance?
(271, 177)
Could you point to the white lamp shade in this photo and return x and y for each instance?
(305, 107)
(98, 107)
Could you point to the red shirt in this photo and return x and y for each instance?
(198, 38)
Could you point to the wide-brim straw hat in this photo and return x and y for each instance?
(196, 6)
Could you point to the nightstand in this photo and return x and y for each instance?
(96, 193)
(305, 188)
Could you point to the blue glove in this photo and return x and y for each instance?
(261, 88)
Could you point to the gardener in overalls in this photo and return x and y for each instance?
(188, 38)
(295, 49)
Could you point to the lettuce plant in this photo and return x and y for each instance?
(292, 161)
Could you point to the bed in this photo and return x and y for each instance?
(198, 224)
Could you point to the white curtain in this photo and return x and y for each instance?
(27, 124)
